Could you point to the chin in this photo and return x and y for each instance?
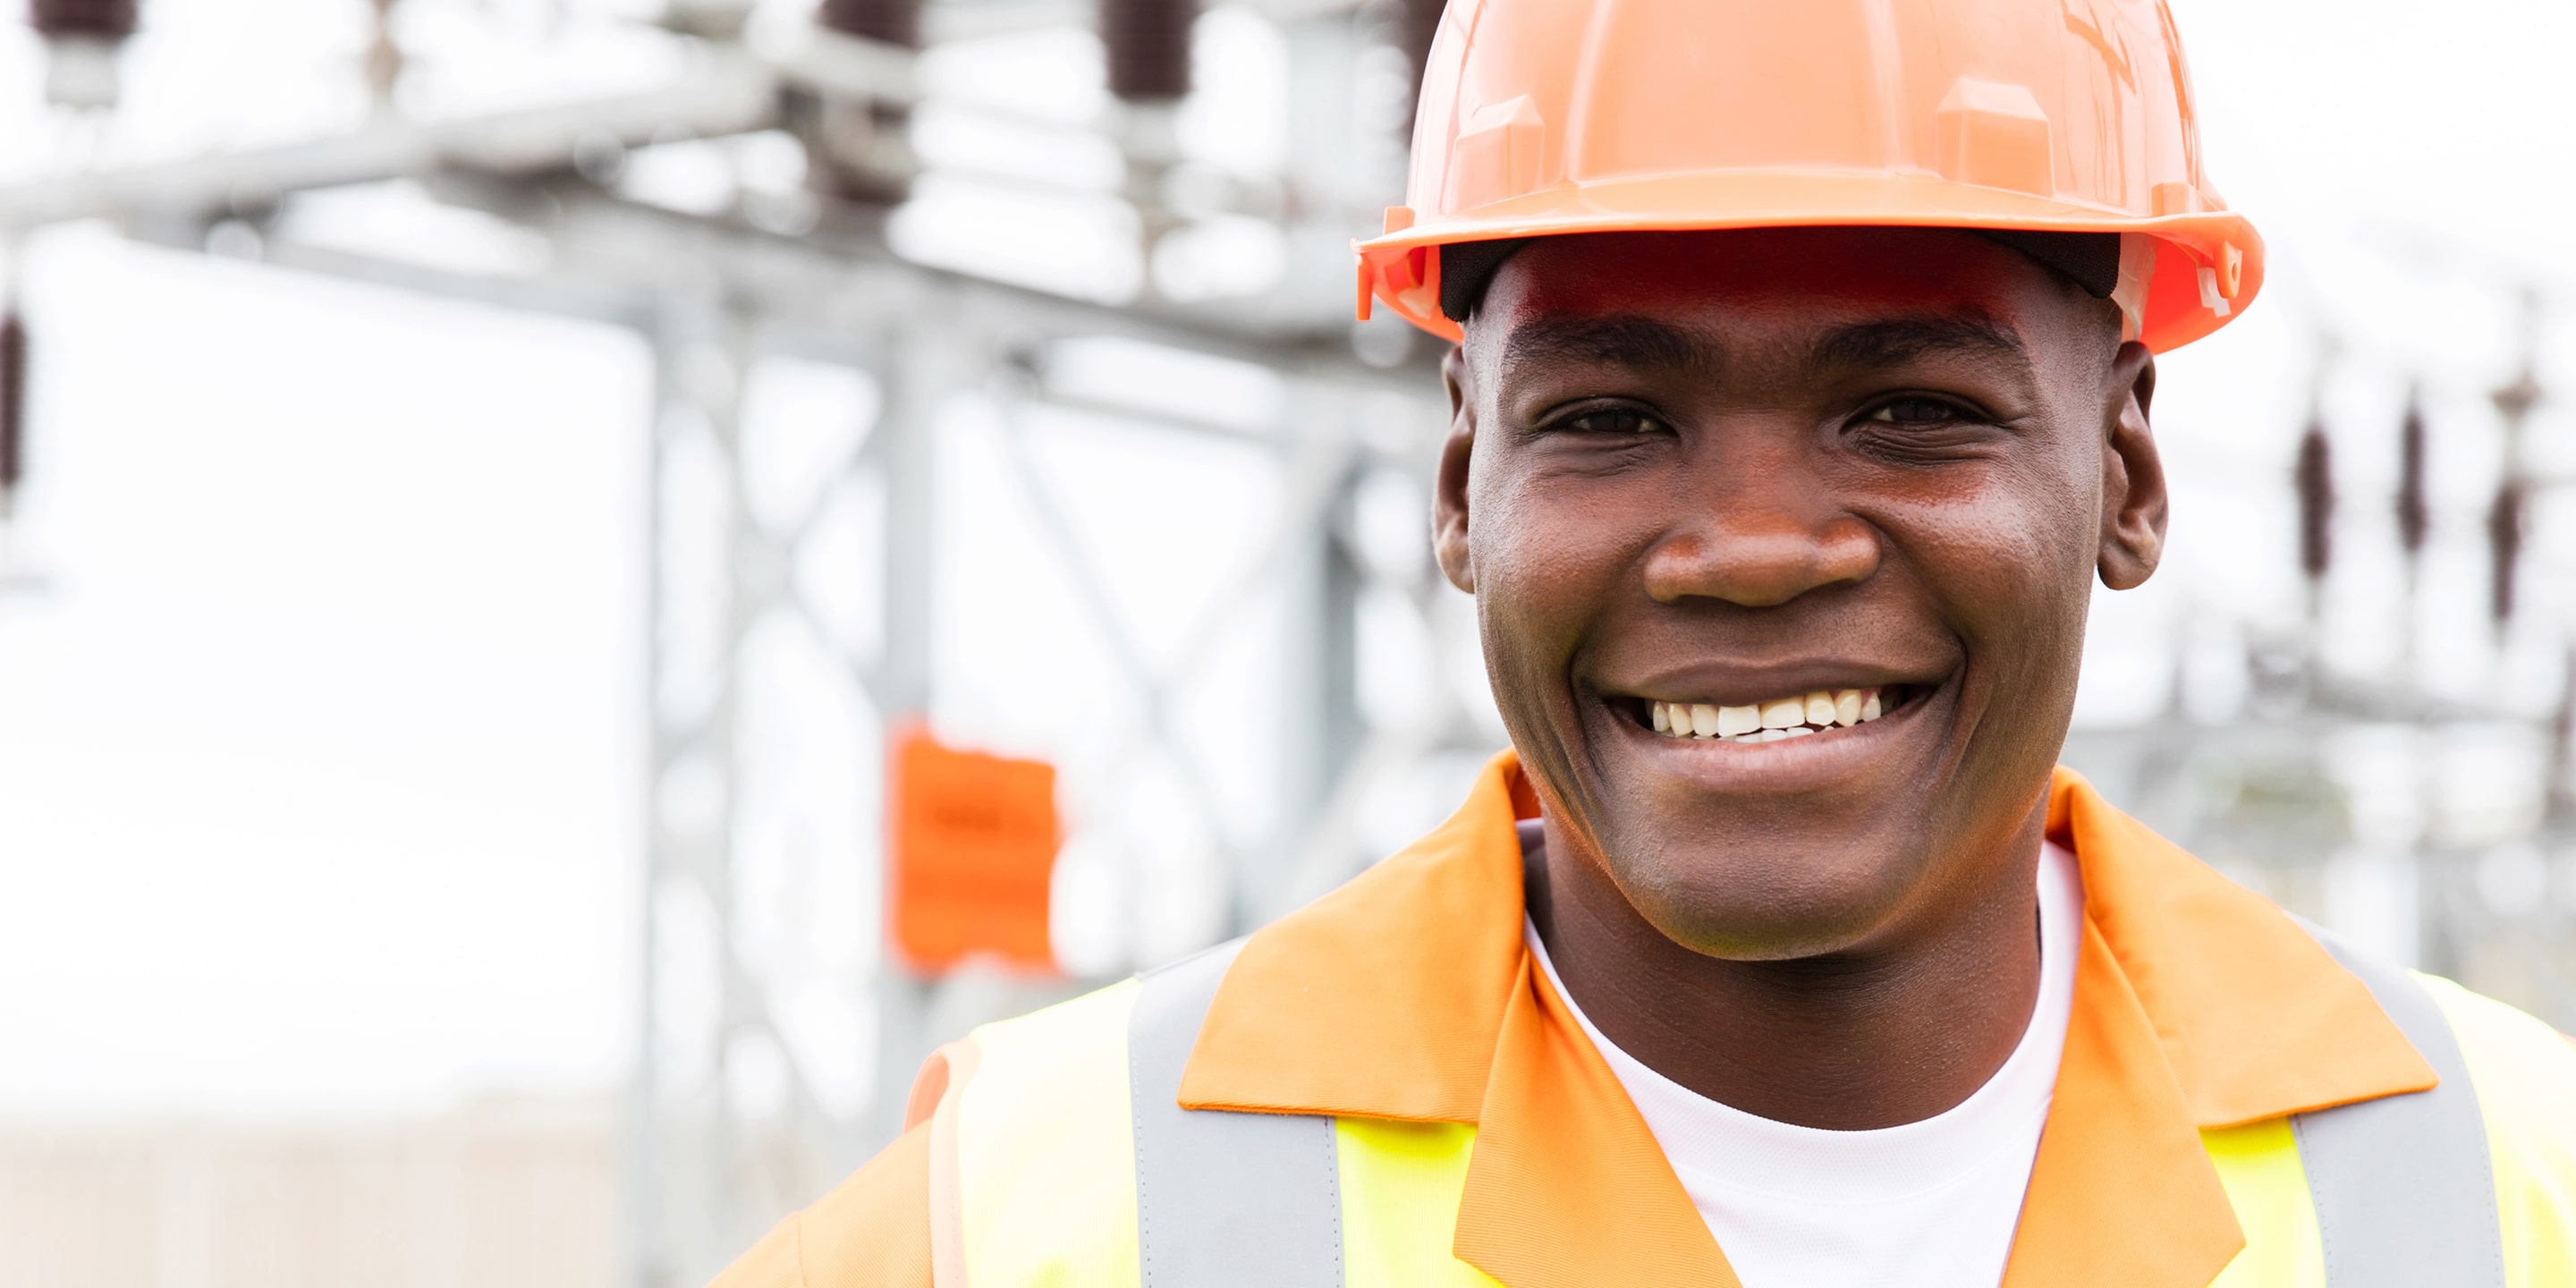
(1770, 900)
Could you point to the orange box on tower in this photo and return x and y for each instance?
(973, 846)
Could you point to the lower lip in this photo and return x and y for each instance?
(1785, 763)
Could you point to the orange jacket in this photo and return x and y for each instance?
(1408, 994)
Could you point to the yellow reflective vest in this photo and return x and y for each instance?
(1380, 1090)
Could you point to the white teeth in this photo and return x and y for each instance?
(1791, 717)
(1820, 709)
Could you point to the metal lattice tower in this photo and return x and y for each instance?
(801, 602)
(796, 610)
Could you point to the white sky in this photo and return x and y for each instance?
(317, 757)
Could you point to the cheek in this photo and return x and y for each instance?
(1546, 558)
(1550, 558)
(2012, 557)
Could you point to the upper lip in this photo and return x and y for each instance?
(1728, 685)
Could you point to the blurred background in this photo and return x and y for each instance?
(583, 581)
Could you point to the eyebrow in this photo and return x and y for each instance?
(1645, 343)
(1893, 341)
(1636, 342)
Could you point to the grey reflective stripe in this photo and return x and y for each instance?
(2404, 1193)
(1223, 1200)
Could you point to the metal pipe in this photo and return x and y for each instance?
(730, 95)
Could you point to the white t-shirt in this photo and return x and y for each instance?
(1929, 1204)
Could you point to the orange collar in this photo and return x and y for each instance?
(1408, 994)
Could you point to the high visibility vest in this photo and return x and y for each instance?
(1065, 1161)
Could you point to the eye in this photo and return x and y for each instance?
(1915, 412)
(1616, 422)
(1924, 430)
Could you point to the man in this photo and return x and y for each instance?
(1806, 356)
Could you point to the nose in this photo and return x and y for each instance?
(1757, 553)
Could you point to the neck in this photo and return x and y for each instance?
(1890, 1032)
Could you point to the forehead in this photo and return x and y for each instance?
(1915, 289)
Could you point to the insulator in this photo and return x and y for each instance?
(2516, 400)
(2314, 476)
(1148, 43)
(110, 20)
(13, 404)
(895, 22)
(2414, 516)
(2504, 545)
(1417, 22)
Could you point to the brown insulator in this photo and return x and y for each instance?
(2504, 544)
(1416, 23)
(110, 20)
(895, 22)
(13, 403)
(2314, 476)
(2414, 516)
(1148, 43)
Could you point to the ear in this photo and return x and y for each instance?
(2133, 475)
(1449, 494)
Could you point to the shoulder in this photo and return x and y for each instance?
(871, 1232)
(2524, 1070)
(1021, 1126)
(1092, 1026)
(2524, 1073)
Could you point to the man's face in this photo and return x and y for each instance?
(1733, 469)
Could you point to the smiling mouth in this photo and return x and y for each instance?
(1796, 715)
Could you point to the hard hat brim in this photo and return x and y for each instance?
(2192, 294)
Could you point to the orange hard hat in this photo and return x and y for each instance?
(1541, 117)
